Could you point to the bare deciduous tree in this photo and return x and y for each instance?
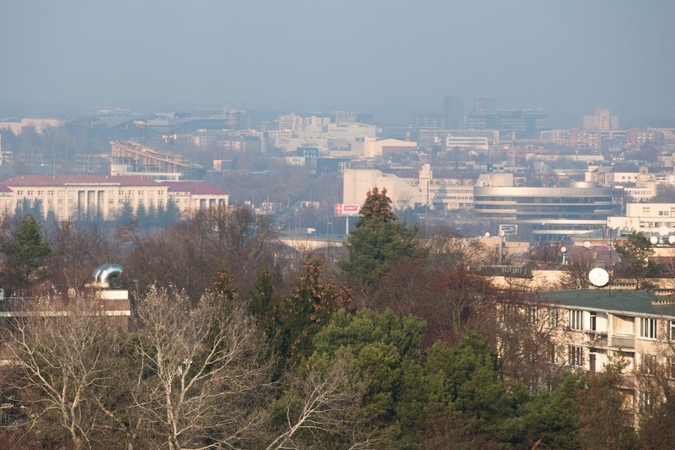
(200, 369)
(62, 358)
(322, 406)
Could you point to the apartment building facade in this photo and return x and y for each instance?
(590, 329)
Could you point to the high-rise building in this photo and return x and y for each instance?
(524, 123)
(453, 113)
(484, 104)
(601, 120)
(426, 120)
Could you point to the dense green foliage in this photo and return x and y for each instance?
(26, 250)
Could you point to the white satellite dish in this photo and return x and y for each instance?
(563, 249)
(654, 240)
(663, 231)
(487, 235)
(598, 277)
(587, 244)
(671, 239)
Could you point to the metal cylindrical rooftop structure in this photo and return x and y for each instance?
(105, 271)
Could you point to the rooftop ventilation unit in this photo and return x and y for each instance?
(106, 271)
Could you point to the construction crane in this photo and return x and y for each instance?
(143, 125)
(171, 138)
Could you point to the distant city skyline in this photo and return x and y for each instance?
(389, 58)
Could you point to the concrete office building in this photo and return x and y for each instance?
(78, 197)
(525, 124)
(546, 213)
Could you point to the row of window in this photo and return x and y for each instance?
(648, 327)
(61, 193)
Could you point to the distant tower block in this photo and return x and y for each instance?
(484, 104)
(453, 113)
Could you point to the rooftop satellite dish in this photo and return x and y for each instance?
(598, 277)
(563, 249)
(654, 240)
(487, 234)
(671, 239)
(663, 231)
(587, 244)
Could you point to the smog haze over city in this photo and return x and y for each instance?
(388, 58)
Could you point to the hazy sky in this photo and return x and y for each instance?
(388, 57)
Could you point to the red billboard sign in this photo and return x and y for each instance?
(347, 209)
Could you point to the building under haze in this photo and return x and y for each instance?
(601, 120)
(546, 213)
(453, 113)
(82, 197)
(525, 124)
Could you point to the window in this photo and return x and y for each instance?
(647, 328)
(648, 363)
(551, 353)
(29, 193)
(41, 193)
(671, 333)
(531, 315)
(645, 401)
(670, 367)
(553, 318)
(509, 314)
(50, 192)
(575, 319)
(575, 356)
(593, 321)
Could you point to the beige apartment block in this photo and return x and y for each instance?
(591, 328)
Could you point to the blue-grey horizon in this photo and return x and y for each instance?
(390, 58)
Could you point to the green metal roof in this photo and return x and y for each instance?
(627, 302)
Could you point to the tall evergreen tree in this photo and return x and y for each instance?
(25, 250)
(378, 240)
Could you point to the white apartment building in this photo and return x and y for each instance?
(73, 197)
(372, 148)
(647, 218)
(296, 131)
(467, 143)
(425, 190)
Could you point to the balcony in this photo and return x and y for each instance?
(595, 338)
(623, 341)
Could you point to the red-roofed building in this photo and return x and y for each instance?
(73, 197)
(192, 195)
